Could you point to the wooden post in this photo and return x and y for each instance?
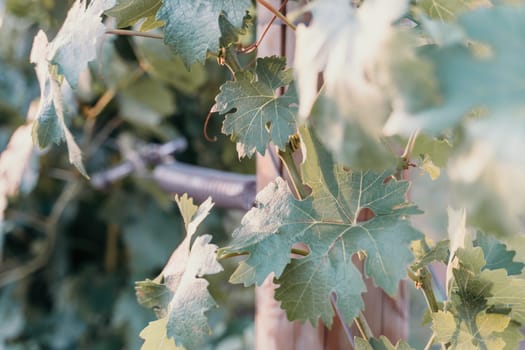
(273, 331)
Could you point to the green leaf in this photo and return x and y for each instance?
(146, 102)
(425, 256)
(153, 295)
(184, 272)
(75, 44)
(447, 10)
(129, 12)
(380, 344)
(508, 292)
(370, 70)
(485, 73)
(483, 332)
(487, 173)
(350, 143)
(484, 307)
(46, 128)
(496, 254)
(49, 125)
(192, 27)
(159, 61)
(232, 35)
(433, 154)
(78, 39)
(328, 223)
(260, 115)
(155, 338)
(437, 149)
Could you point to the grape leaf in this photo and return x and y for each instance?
(232, 35)
(380, 344)
(155, 338)
(484, 306)
(159, 61)
(153, 295)
(484, 74)
(438, 150)
(146, 102)
(483, 332)
(488, 170)
(508, 292)
(369, 68)
(192, 27)
(346, 138)
(49, 126)
(183, 273)
(433, 154)
(340, 42)
(260, 115)
(424, 256)
(78, 39)
(129, 12)
(446, 10)
(496, 254)
(327, 222)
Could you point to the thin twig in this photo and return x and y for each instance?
(430, 342)
(134, 33)
(407, 154)
(19, 272)
(277, 13)
(254, 46)
(205, 126)
(364, 328)
(102, 102)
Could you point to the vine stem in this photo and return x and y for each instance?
(254, 46)
(277, 13)
(423, 280)
(231, 60)
(288, 161)
(127, 32)
(297, 251)
(362, 325)
(407, 154)
(430, 342)
(428, 291)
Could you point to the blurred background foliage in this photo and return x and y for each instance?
(70, 254)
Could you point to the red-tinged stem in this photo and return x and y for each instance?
(277, 13)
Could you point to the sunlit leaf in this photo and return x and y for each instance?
(78, 39)
(49, 125)
(192, 27)
(259, 114)
(328, 222)
(129, 12)
(184, 275)
(496, 254)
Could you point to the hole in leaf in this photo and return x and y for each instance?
(365, 214)
(268, 125)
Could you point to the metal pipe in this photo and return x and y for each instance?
(228, 190)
